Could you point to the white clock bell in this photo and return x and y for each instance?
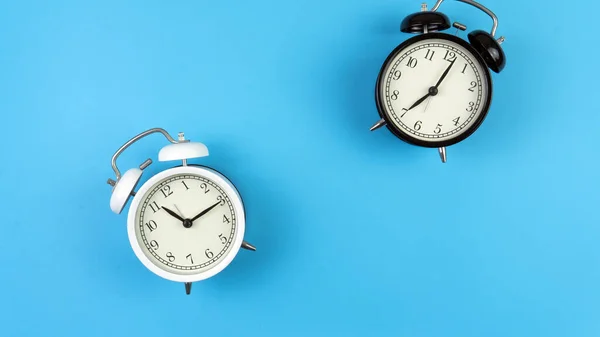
(186, 223)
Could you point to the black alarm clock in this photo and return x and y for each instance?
(435, 89)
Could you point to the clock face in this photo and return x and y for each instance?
(186, 223)
(434, 90)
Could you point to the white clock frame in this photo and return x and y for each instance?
(230, 191)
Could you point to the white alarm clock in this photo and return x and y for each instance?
(186, 223)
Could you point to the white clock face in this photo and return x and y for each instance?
(186, 224)
(434, 90)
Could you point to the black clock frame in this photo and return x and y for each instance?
(407, 137)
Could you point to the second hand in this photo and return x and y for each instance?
(178, 210)
(427, 105)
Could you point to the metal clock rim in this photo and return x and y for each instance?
(237, 202)
(445, 143)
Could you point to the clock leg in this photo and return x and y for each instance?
(442, 151)
(188, 288)
(379, 124)
(248, 246)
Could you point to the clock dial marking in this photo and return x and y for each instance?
(434, 90)
(186, 249)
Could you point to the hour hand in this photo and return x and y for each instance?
(173, 214)
(420, 101)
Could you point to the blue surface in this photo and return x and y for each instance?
(357, 233)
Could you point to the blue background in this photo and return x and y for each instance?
(357, 232)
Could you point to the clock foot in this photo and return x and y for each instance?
(379, 124)
(248, 246)
(188, 288)
(442, 151)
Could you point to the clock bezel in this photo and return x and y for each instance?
(407, 137)
(208, 173)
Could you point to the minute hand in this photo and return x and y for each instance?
(205, 211)
(445, 73)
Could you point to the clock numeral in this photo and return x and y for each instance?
(456, 120)
(412, 62)
(209, 254)
(429, 55)
(166, 191)
(395, 95)
(220, 198)
(223, 239)
(225, 219)
(464, 69)
(450, 56)
(154, 206)
(438, 128)
(471, 106)
(473, 86)
(170, 257)
(184, 184)
(418, 125)
(405, 111)
(154, 244)
(189, 256)
(205, 188)
(151, 225)
(397, 74)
